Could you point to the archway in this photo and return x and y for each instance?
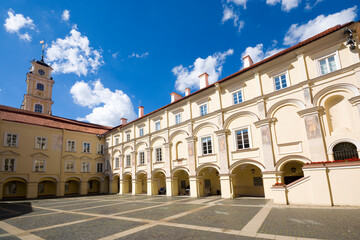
(159, 183)
(209, 182)
(14, 188)
(247, 181)
(345, 150)
(181, 183)
(127, 184)
(72, 186)
(292, 171)
(141, 183)
(116, 184)
(47, 187)
(93, 186)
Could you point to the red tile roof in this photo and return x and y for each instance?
(300, 44)
(32, 118)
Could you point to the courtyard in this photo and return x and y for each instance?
(160, 217)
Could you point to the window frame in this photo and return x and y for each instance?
(34, 165)
(207, 109)
(42, 108)
(127, 164)
(38, 84)
(36, 143)
(236, 92)
(141, 131)
(12, 135)
(84, 148)
(337, 62)
(157, 125)
(177, 118)
(140, 160)
(117, 162)
(67, 144)
(4, 161)
(89, 167)
(286, 73)
(201, 145)
(117, 138)
(66, 163)
(97, 167)
(248, 127)
(156, 155)
(128, 137)
(100, 148)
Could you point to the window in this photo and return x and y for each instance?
(128, 160)
(40, 143)
(141, 132)
(11, 188)
(157, 126)
(345, 150)
(9, 165)
(41, 187)
(203, 109)
(85, 167)
(117, 162)
(242, 139)
(128, 137)
(39, 166)
(86, 147)
(116, 140)
(258, 181)
(141, 158)
(100, 149)
(328, 64)
(178, 118)
(70, 166)
(107, 144)
(40, 87)
(237, 97)
(206, 145)
(158, 155)
(281, 81)
(11, 140)
(38, 108)
(70, 146)
(99, 167)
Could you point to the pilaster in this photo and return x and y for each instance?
(32, 189)
(267, 144)
(223, 151)
(191, 141)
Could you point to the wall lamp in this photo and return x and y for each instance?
(100, 136)
(350, 40)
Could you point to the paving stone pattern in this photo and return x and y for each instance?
(159, 217)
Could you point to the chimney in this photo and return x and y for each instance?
(175, 96)
(247, 61)
(204, 80)
(141, 111)
(187, 91)
(123, 121)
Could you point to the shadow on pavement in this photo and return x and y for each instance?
(10, 210)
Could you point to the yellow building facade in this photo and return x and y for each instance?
(280, 128)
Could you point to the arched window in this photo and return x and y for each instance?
(38, 108)
(345, 150)
(40, 86)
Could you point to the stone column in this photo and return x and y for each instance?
(110, 190)
(1, 190)
(269, 179)
(224, 163)
(31, 190)
(83, 187)
(194, 192)
(314, 133)
(169, 189)
(149, 171)
(121, 186)
(191, 141)
(133, 173)
(167, 163)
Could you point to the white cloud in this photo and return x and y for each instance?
(309, 6)
(114, 55)
(73, 54)
(188, 77)
(286, 5)
(107, 106)
(239, 2)
(297, 33)
(65, 15)
(257, 53)
(15, 22)
(136, 55)
(230, 14)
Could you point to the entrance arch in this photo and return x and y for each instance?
(127, 184)
(72, 186)
(116, 184)
(158, 183)
(181, 183)
(292, 171)
(14, 188)
(93, 186)
(247, 181)
(141, 183)
(47, 187)
(209, 182)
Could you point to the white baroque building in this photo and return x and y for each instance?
(258, 132)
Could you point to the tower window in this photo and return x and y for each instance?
(40, 87)
(41, 72)
(38, 108)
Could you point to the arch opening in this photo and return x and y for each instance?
(345, 150)
(209, 182)
(181, 183)
(72, 187)
(247, 181)
(127, 184)
(93, 186)
(292, 171)
(46, 188)
(158, 183)
(141, 183)
(14, 189)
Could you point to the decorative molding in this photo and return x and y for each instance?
(311, 111)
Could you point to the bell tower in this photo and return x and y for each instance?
(39, 88)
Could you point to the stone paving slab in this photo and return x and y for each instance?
(11, 237)
(161, 212)
(113, 209)
(313, 223)
(229, 217)
(163, 199)
(93, 229)
(44, 221)
(64, 203)
(10, 210)
(244, 201)
(174, 233)
(81, 205)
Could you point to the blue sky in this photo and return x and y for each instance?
(109, 58)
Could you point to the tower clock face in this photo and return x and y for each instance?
(41, 72)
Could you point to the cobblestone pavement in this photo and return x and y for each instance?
(159, 217)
